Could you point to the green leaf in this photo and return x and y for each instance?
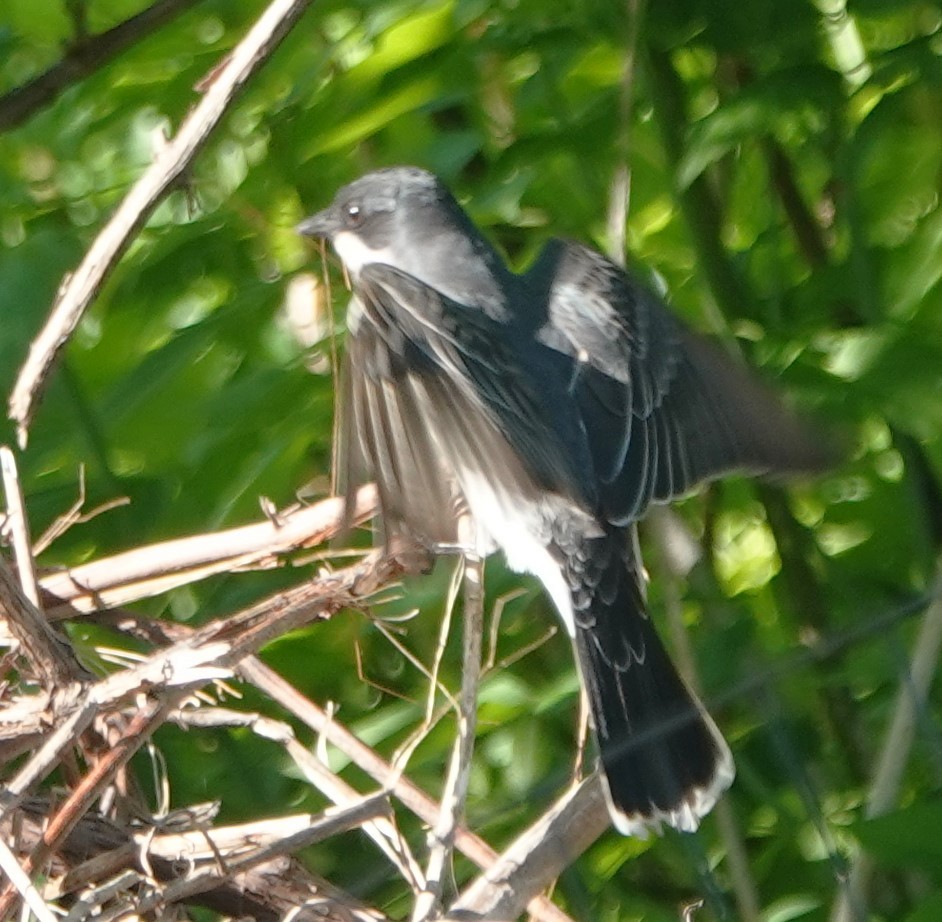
(930, 910)
(411, 96)
(787, 102)
(908, 838)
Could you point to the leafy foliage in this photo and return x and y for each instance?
(788, 207)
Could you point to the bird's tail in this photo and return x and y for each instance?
(663, 757)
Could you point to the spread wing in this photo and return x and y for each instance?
(662, 408)
(432, 385)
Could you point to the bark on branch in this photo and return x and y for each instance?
(82, 59)
(79, 289)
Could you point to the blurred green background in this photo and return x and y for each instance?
(785, 173)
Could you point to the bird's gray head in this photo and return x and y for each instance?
(407, 218)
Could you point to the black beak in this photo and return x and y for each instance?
(320, 225)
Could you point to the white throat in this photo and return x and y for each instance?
(355, 254)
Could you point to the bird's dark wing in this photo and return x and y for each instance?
(432, 384)
(380, 440)
(662, 408)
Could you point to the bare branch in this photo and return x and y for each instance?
(330, 823)
(155, 568)
(19, 879)
(381, 830)
(469, 844)
(48, 653)
(271, 684)
(234, 638)
(18, 526)
(206, 845)
(166, 677)
(536, 858)
(112, 859)
(74, 515)
(84, 58)
(64, 820)
(897, 744)
(79, 289)
(451, 810)
(208, 654)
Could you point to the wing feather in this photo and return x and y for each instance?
(480, 358)
(438, 388)
(662, 408)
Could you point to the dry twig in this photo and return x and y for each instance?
(80, 288)
(18, 526)
(48, 653)
(82, 59)
(911, 699)
(19, 880)
(470, 845)
(459, 766)
(103, 866)
(156, 568)
(536, 858)
(382, 830)
(332, 822)
(208, 654)
(164, 679)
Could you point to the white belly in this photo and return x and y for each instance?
(521, 528)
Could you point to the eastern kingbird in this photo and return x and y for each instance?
(542, 414)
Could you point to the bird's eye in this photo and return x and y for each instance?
(353, 215)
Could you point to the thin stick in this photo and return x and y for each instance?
(207, 843)
(284, 694)
(83, 58)
(212, 658)
(19, 879)
(116, 855)
(459, 768)
(206, 655)
(432, 715)
(18, 525)
(537, 857)
(48, 653)
(445, 629)
(155, 568)
(332, 822)
(78, 802)
(381, 830)
(79, 289)
(497, 613)
(469, 844)
(74, 515)
(884, 790)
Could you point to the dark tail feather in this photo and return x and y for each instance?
(663, 757)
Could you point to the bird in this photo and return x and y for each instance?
(541, 413)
